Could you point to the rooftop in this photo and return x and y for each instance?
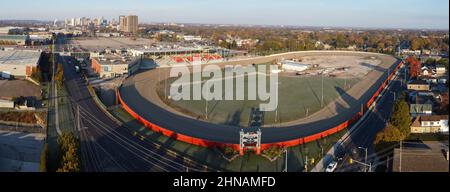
(113, 59)
(418, 82)
(19, 57)
(420, 108)
(433, 118)
(14, 37)
(428, 156)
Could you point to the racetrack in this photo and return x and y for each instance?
(138, 92)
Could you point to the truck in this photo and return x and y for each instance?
(5, 74)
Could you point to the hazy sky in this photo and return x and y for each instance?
(340, 13)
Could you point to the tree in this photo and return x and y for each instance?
(443, 104)
(43, 159)
(443, 61)
(59, 76)
(414, 66)
(68, 145)
(36, 75)
(234, 45)
(400, 117)
(389, 134)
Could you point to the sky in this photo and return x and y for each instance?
(416, 14)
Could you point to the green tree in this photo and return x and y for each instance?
(443, 61)
(400, 117)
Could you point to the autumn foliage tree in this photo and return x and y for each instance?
(398, 127)
(69, 148)
(414, 66)
(443, 104)
(389, 134)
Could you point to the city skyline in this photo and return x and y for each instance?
(414, 14)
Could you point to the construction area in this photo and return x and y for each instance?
(300, 93)
(334, 66)
(334, 82)
(100, 43)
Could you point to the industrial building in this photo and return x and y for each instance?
(14, 39)
(289, 65)
(114, 66)
(18, 63)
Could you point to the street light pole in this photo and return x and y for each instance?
(286, 161)
(400, 164)
(365, 149)
(321, 101)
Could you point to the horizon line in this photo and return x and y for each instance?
(263, 25)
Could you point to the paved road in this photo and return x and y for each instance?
(365, 133)
(107, 146)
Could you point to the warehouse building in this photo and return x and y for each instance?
(18, 63)
(14, 39)
(114, 66)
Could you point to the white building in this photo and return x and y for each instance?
(440, 69)
(289, 65)
(430, 124)
(18, 63)
(6, 104)
(192, 38)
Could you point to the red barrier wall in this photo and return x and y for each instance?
(295, 142)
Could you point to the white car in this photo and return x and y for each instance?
(331, 167)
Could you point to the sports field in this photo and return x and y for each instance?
(298, 98)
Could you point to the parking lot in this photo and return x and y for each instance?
(20, 152)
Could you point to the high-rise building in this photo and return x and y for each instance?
(122, 22)
(84, 21)
(132, 21)
(128, 23)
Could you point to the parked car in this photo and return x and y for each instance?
(331, 167)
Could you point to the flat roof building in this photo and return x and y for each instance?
(114, 66)
(13, 39)
(18, 63)
(427, 156)
(293, 66)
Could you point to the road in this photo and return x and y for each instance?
(363, 136)
(107, 146)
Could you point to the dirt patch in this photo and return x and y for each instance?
(17, 88)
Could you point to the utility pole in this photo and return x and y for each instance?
(306, 163)
(286, 161)
(206, 101)
(387, 164)
(400, 164)
(321, 101)
(78, 117)
(365, 149)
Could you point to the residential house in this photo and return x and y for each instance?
(418, 85)
(421, 109)
(430, 124)
(440, 69)
(426, 71)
